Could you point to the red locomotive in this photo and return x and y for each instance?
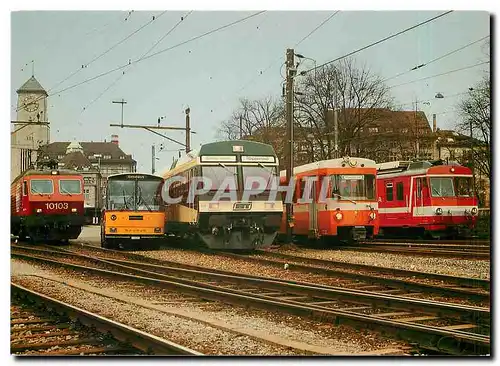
(424, 198)
(47, 205)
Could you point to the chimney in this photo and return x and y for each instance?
(114, 139)
(434, 123)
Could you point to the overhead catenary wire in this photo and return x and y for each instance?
(436, 59)
(108, 50)
(279, 57)
(437, 75)
(183, 18)
(152, 55)
(379, 41)
(96, 30)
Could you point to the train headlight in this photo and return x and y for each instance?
(269, 205)
(157, 229)
(373, 215)
(339, 216)
(113, 217)
(474, 211)
(73, 210)
(439, 211)
(112, 229)
(215, 230)
(38, 210)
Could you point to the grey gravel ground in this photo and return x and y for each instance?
(200, 326)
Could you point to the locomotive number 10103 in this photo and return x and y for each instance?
(59, 206)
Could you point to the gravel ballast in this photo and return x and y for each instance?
(202, 326)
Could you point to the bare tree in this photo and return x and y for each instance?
(475, 122)
(360, 96)
(258, 119)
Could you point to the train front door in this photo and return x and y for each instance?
(419, 200)
(313, 211)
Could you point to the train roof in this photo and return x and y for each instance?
(333, 163)
(399, 168)
(410, 166)
(227, 148)
(222, 149)
(46, 172)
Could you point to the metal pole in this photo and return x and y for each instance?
(335, 118)
(289, 121)
(241, 127)
(122, 102)
(472, 160)
(188, 131)
(153, 159)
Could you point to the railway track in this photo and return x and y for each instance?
(450, 250)
(346, 275)
(44, 326)
(439, 327)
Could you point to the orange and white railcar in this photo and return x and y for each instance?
(343, 201)
(425, 198)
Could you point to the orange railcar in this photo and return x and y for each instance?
(342, 202)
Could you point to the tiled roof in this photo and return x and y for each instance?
(76, 160)
(32, 85)
(55, 149)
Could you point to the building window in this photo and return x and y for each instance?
(60, 156)
(388, 191)
(107, 156)
(404, 130)
(373, 129)
(399, 191)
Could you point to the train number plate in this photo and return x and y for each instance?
(242, 206)
(135, 237)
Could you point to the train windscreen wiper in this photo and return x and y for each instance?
(345, 198)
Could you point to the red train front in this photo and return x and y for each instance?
(47, 205)
(343, 204)
(426, 199)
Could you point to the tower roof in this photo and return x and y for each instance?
(32, 85)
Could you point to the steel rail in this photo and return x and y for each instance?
(295, 287)
(439, 339)
(146, 342)
(462, 281)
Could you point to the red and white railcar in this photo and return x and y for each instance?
(347, 208)
(425, 198)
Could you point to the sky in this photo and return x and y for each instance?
(210, 74)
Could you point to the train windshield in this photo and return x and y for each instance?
(42, 186)
(253, 173)
(70, 186)
(442, 187)
(136, 195)
(220, 175)
(148, 195)
(353, 186)
(463, 186)
(121, 195)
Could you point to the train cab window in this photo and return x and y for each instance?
(302, 187)
(419, 187)
(25, 188)
(399, 191)
(389, 191)
(42, 186)
(70, 186)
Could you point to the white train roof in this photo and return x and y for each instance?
(333, 163)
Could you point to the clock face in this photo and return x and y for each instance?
(31, 103)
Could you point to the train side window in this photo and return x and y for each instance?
(25, 188)
(389, 191)
(399, 191)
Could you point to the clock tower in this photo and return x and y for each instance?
(31, 127)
